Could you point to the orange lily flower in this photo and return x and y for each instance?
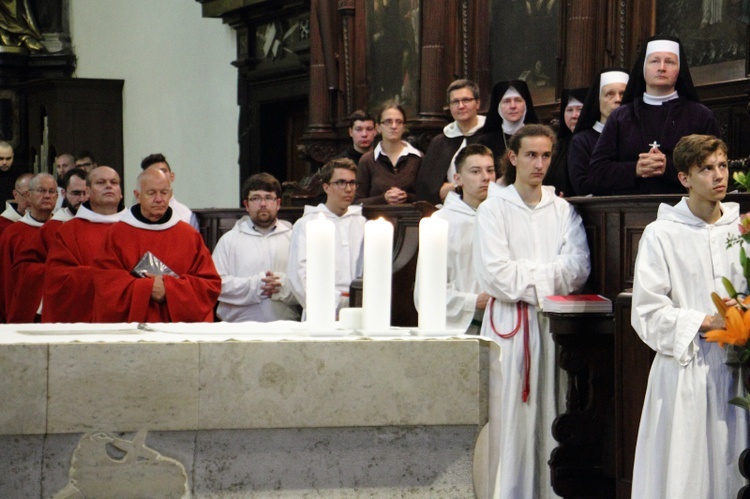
(737, 330)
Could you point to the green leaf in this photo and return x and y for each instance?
(743, 402)
(729, 287)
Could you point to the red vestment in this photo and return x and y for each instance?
(68, 283)
(14, 239)
(122, 297)
(29, 267)
(4, 224)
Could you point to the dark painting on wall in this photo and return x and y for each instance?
(712, 31)
(393, 53)
(524, 44)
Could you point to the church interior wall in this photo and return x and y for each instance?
(179, 96)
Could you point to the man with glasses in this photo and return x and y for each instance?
(20, 294)
(435, 177)
(16, 209)
(86, 161)
(339, 183)
(252, 258)
(29, 263)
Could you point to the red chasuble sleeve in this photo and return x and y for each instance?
(20, 240)
(68, 283)
(121, 297)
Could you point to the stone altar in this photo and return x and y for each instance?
(272, 414)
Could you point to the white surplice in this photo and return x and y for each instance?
(690, 437)
(463, 287)
(242, 256)
(522, 254)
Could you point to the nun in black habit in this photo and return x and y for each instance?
(604, 96)
(634, 152)
(499, 128)
(571, 102)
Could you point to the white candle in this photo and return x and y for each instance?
(433, 273)
(376, 285)
(350, 318)
(321, 274)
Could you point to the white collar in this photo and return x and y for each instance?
(451, 130)
(130, 219)
(598, 126)
(408, 149)
(658, 100)
(91, 216)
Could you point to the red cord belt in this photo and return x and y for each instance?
(522, 317)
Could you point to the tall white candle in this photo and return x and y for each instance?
(376, 285)
(321, 274)
(433, 273)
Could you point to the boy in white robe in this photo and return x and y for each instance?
(339, 183)
(475, 171)
(528, 244)
(690, 437)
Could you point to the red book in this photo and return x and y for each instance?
(577, 304)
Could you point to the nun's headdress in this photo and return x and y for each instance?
(590, 113)
(569, 97)
(494, 121)
(637, 84)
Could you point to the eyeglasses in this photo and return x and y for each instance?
(76, 193)
(390, 122)
(260, 199)
(42, 192)
(465, 101)
(343, 184)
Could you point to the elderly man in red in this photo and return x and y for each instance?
(21, 290)
(184, 289)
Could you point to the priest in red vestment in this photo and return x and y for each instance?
(21, 291)
(152, 227)
(68, 282)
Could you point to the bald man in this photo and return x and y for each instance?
(16, 209)
(184, 292)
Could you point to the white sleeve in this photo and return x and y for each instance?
(568, 271)
(296, 273)
(235, 290)
(665, 328)
(504, 279)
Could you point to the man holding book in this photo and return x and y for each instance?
(151, 232)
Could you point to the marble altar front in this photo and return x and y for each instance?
(268, 413)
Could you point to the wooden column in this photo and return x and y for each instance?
(319, 141)
(433, 75)
(346, 10)
(581, 29)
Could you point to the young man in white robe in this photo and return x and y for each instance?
(252, 258)
(339, 183)
(475, 171)
(528, 244)
(690, 437)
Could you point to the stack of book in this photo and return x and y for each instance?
(577, 304)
